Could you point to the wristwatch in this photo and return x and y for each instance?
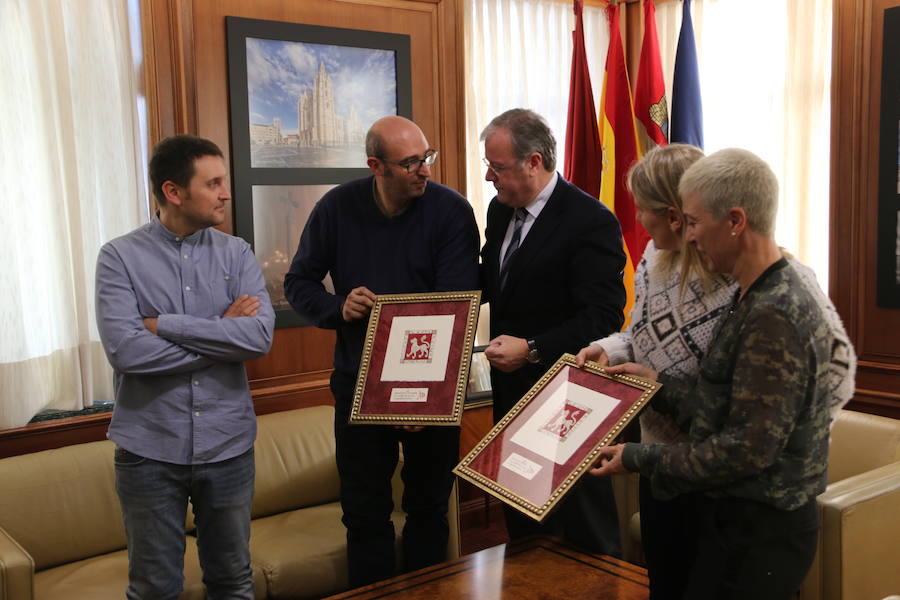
(533, 355)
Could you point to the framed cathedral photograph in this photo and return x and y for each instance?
(553, 435)
(414, 368)
(301, 99)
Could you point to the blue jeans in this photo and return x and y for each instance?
(154, 497)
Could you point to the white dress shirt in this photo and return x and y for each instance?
(532, 211)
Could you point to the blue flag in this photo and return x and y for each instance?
(687, 107)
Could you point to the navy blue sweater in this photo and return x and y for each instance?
(431, 247)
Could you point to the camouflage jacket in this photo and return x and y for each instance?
(757, 412)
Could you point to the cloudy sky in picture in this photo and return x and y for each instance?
(279, 71)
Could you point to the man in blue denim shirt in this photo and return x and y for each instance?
(180, 306)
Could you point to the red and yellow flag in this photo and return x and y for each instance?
(618, 140)
(650, 106)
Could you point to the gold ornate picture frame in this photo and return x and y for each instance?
(547, 441)
(414, 368)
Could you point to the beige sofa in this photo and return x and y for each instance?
(859, 543)
(61, 533)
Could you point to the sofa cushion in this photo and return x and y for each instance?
(106, 577)
(61, 505)
(303, 553)
(295, 464)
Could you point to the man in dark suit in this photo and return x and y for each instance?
(552, 271)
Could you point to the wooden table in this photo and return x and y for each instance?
(535, 568)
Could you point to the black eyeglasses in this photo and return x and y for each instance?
(414, 164)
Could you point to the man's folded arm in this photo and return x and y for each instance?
(129, 346)
(227, 339)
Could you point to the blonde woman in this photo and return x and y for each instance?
(677, 304)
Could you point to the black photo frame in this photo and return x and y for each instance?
(300, 177)
(888, 274)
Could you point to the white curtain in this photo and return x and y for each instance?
(70, 163)
(519, 54)
(765, 77)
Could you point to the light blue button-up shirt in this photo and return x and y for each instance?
(181, 395)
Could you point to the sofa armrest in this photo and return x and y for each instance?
(16, 570)
(858, 541)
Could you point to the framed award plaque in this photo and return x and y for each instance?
(415, 363)
(537, 452)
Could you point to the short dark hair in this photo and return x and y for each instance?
(529, 132)
(173, 160)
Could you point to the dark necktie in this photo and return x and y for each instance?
(513, 245)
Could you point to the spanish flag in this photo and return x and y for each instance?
(619, 144)
(650, 106)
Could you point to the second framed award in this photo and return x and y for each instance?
(537, 452)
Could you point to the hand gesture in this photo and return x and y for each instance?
(634, 369)
(150, 325)
(507, 353)
(610, 461)
(593, 352)
(358, 304)
(244, 306)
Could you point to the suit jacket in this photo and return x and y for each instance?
(564, 285)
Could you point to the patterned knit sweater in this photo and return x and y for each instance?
(671, 333)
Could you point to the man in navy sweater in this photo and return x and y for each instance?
(389, 233)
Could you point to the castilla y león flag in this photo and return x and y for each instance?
(650, 106)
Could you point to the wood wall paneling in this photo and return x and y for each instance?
(53, 434)
(166, 28)
(856, 98)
